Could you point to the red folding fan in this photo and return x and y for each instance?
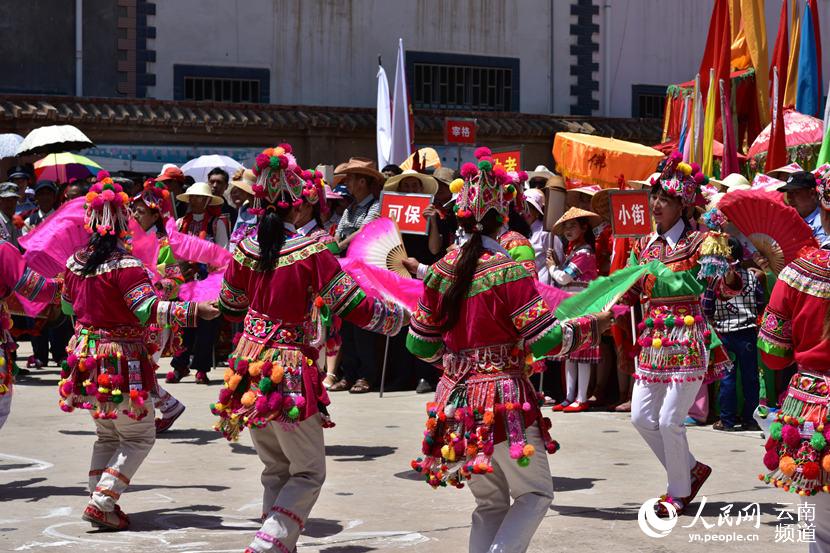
(776, 230)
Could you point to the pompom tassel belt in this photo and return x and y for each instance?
(797, 454)
(471, 400)
(107, 370)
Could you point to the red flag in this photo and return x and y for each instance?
(718, 55)
(777, 151)
(781, 52)
(817, 32)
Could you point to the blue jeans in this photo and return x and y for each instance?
(743, 345)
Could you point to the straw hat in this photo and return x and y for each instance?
(444, 175)
(358, 166)
(245, 182)
(732, 182)
(556, 182)
(429, 183)
(600, 204)
(536, 198)
(587, 190)
(576, 213)
(640, 184)
(200, 189)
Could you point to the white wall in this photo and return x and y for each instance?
(324, 52)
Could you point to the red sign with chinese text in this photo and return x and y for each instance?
(459, 131)
(511, 160)
(630, 215)
(406, 210)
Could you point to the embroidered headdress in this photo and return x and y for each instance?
(682, 180)
(156, 196)
(313, 190)
(484, 186)
(106, 207)
(279, 181)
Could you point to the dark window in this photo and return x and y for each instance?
(450, 81)
(648, 101)
(221, 84)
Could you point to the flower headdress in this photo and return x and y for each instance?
(823, 185)
(313, 191)
(682, 180)
(156, 196)
(279, 181)
(482, 187)
(106, 207)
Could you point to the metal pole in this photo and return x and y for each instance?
(383, 370)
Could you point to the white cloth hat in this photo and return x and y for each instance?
(536, 198)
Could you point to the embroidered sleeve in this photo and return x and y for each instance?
(424, 339)
(542, 332)
(233, 297)
(346, 299)
(34, 287)
(141, 298)
(775, 335)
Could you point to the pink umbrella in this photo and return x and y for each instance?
(798, 128)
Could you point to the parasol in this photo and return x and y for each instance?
(53, 138)
(587, 159)
(65, 166)
(199, 167)
(9, 142)
(799, 130)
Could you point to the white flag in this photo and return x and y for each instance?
(401, 133)
(384, 120)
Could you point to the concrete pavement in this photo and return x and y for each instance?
(198, 493)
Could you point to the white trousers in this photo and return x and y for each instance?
(5, 406)
(121, 447)
(577, 377)
(499, 526)
(295, 469)
(658, 411)
(822, 502)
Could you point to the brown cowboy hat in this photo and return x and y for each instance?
(359, 166)
(576, 213)
(444, 175)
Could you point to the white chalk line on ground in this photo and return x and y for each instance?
(37, 464)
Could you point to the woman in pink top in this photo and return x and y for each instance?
(109, 369)
(573, 274)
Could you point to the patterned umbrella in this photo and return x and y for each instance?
(799, 130)
(9, 143)
(65, 166)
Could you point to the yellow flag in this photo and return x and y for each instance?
(792, 65)
(754, 27)
(709, 124)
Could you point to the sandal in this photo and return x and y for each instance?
(114, 520)
(330, 380)
(340, 386)
(361, 386)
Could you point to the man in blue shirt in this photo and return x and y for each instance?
(800, 190)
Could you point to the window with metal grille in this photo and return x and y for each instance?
(220, 84)
(450, 81)
(648, 101)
